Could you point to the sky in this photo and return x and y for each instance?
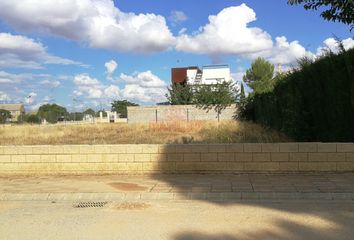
(88, 53)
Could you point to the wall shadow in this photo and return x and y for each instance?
(207, 187)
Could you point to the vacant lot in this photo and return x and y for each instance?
(158, 133)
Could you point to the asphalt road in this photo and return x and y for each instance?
(177, 220)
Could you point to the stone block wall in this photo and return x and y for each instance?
(177, 113)
(197, 158)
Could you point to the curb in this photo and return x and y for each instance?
(208, 196)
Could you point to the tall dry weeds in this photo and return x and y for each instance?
(167, 132)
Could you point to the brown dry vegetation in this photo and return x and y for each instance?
(158, 133)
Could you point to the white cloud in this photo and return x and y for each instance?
(87, 86)
(332, 45)
(284, 52)
(227, 33)
(177, 17)
(96, 22)
(111, 66)
(143, 87)
(4, 96)
(18, 51)
(112, 92)
(31, 98)
(50, 84)
(144, 79)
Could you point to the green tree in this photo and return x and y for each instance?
(336, 10)
(4, 115)
(121, 107)
(52, 112)
(259, 76)
(216, 97)
(31, 118)
(89, 111)
(242, 93)
(180, 94)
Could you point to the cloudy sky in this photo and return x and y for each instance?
(86, 53)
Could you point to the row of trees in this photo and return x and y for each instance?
(53, 113)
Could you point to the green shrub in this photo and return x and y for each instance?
(315, 103)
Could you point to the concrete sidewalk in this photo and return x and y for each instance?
(209, 187)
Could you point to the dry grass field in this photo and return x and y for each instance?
(156, 133)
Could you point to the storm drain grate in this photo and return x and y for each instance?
(90, 204)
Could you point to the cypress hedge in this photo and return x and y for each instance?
(314, 103)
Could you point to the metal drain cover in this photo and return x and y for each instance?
(90, 204)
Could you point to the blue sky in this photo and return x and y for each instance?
(86, 53)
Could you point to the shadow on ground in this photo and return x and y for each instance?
(327, 220)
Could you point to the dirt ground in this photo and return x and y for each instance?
(177, 220)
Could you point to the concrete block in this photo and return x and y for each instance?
(48, 158)
(191, 157)
(307, 147)
(55, 149)
(164, 148)
(175, 157)
(126, 157)
(279, 157)
(336, 157)
(252, 166)
(79, 158)
(209, 157)
(327, 147)
(236, 166)
(109, 157)
(10, 150)
(345, 147)
(226, 157)
(134, 148)
(308, 166)
(150, 148)
(135, 167)
(349, 157)
(118, 166)
(102, 149)
(289, 166)
(192, 148)
(33, 158)
(25, 149)
(217, 148)
(86, 149)
(327, 166)
(252, 147)
(9, 167)
(317, 157)
(118, 149)
(63, 158)
(94, 158)
(188, 166)
(16, 158)
(5, 158)
(234, 148)
(298, 157)
(270, 147)
(243, 157)
(345, 166)
(269, 166)
(288, 147)
(159, 157)
(142, 157)
(70, 149)
(261, 157)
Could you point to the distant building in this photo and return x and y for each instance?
(211, 74)
(16, 110)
